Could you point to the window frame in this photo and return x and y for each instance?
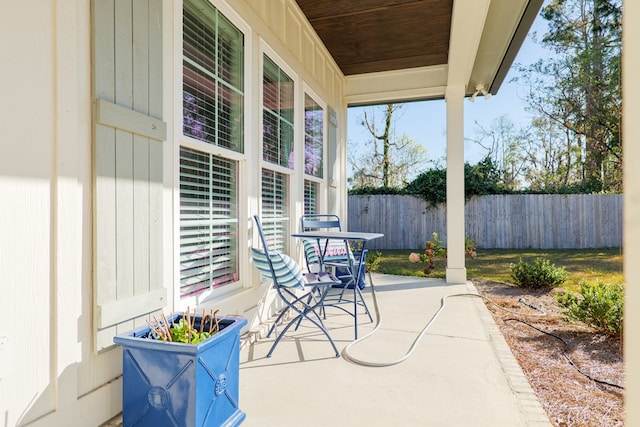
(316, 200)
(200, 220)
(292, 176)
(305, 134)
(215, 79)
(321, 181)
(243, 277)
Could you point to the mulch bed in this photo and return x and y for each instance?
(554, 368)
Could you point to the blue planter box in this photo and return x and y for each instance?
(175, 384)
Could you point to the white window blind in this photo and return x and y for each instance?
(277, 117)
(275, 219)
(213, 98)
(213, 73)
(313, 130)
(310, 197)
(208, 221)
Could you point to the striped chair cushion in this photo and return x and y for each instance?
(336, 251)
(286, 271)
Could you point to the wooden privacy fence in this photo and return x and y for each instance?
(545, 221)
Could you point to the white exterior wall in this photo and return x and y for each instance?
(631, 213)
(51, 373)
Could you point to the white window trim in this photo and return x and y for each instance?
(296, 188)
(175, 81)
(322, 189)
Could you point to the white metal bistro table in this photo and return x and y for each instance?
(346, 236)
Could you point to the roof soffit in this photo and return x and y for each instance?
(473, 41)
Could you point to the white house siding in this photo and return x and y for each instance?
(56, 375)
(45, 270)
(631, 234)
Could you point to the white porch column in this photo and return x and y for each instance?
(456, 270)
(631, 227)
(468, 22)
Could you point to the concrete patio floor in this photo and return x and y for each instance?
(462, 373)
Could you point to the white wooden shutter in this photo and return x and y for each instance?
(127, 156)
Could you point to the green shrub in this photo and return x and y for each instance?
(599, 305)
(373, 261)
(431, 185)
(481, 178)
(541, 273)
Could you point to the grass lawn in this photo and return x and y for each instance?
(494, 264)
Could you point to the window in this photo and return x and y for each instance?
(310, 197)
(275, 209)
(277, 152)
(213, 99)
(213, 73)
(208, 221)
(277, 115)
(313, 152)
(313, 126)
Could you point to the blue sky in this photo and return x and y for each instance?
(425, 121)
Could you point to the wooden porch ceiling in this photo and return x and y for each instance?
(439, 42)
(380, 35)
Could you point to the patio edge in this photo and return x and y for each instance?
(530, 406)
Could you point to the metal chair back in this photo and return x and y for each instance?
(302, 294)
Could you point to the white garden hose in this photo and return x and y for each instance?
(350, 358)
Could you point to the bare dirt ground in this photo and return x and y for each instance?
(554, 367)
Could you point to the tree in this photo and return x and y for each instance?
(506, 148)
(479, 179)
(578, 89)
(386, 160)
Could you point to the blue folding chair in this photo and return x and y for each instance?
(302, 293)
(336, 252)
(346, 265)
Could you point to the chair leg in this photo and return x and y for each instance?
(308, 304)
(275, 324)
(304, 314)
(320, 326)
(278, 338)
(357, 294)
(364, 303)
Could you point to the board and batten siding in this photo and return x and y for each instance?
(549, 221)
(128, 177)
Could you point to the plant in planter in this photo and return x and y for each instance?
(182, 371)
(184, 331)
